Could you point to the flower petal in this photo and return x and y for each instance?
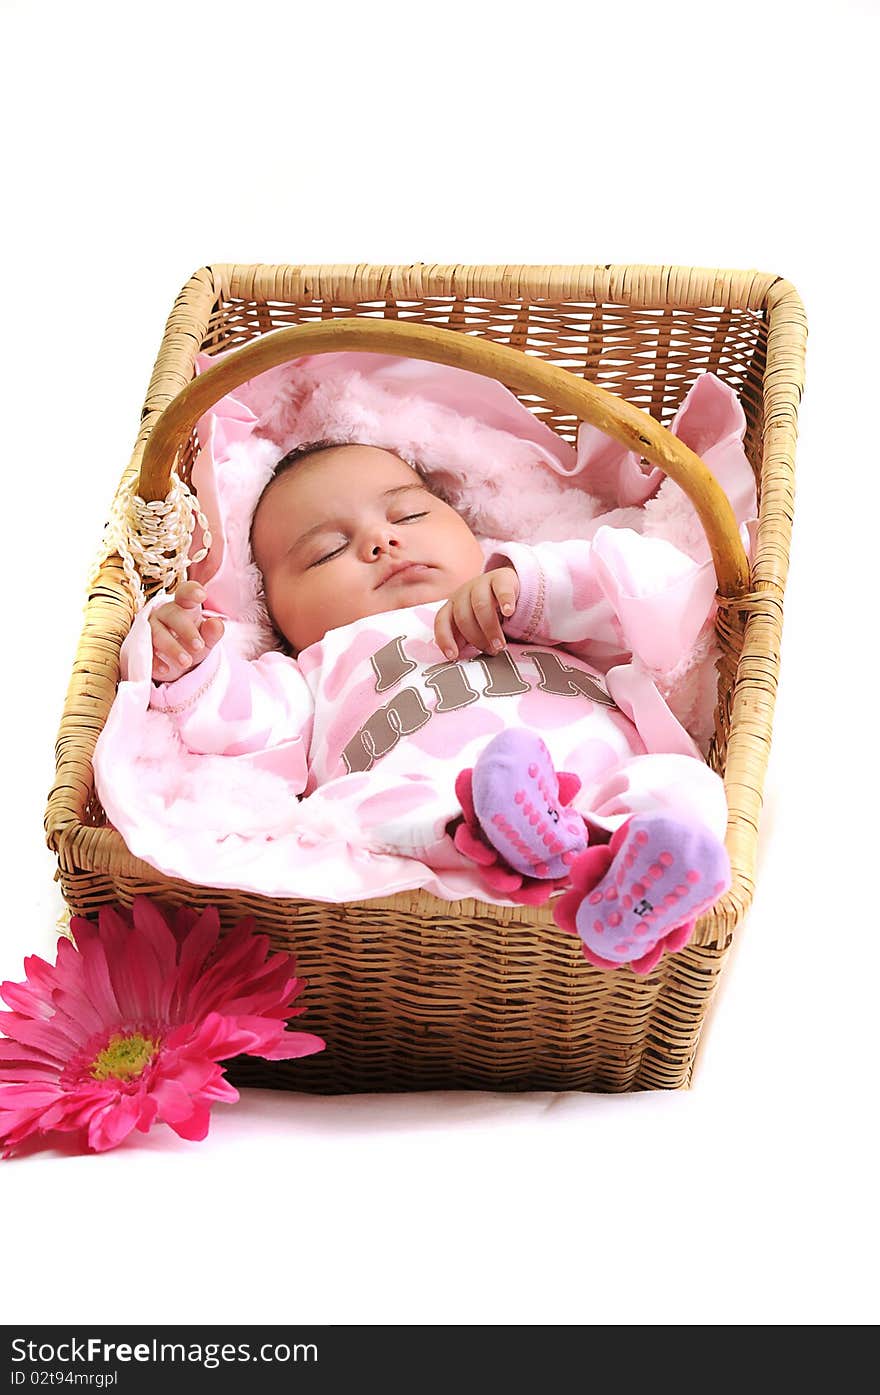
(292, 1045)
(152, 987)
(221, 1091)
(45, 1036)
(172, 1100)
(187, 1067)
(14, 1051)
(21, 1071)
(96, 983)
(114, 1123)
(37, 1094)
(194, 952)
(24, 998)
(195, 1127)
(151, 923)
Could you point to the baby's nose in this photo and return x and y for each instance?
(383, 540)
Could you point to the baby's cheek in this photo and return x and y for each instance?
(330, 602)
(295, 615)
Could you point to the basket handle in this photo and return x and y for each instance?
(631, 426)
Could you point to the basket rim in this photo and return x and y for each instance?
(649, 286)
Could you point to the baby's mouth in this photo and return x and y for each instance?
(408, 570)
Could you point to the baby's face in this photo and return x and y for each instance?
(351, 532)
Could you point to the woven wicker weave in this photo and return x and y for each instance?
(411, 992)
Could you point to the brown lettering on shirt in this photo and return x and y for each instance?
(391, 664)
(449, 681)
(565, 681)
(505, 679)
(404, 714)
(407, 712)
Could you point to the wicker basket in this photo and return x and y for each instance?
(408, 991)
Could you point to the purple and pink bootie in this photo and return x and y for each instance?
(628, 900)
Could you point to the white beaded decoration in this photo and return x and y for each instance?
(153, 539)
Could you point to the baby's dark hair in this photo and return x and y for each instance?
(292, 458)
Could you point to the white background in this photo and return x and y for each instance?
(141, 143)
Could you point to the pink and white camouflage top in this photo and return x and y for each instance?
(379, 694)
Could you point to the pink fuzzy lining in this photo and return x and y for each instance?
(510, 475)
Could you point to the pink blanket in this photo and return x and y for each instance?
(226, 821)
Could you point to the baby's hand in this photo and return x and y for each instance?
(471, 615)
(182, 638)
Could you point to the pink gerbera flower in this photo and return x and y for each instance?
(126, 1029)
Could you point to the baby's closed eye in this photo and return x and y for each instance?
(332, 552)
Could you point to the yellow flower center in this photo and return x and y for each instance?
(123, 1057)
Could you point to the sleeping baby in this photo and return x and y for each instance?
(440, 687)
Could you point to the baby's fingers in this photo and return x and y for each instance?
(444, 636)
(479, 619)
(186, 626)
(505, 588)
(212, 631)
(169, 656)
(189, 594)
(465, 623)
